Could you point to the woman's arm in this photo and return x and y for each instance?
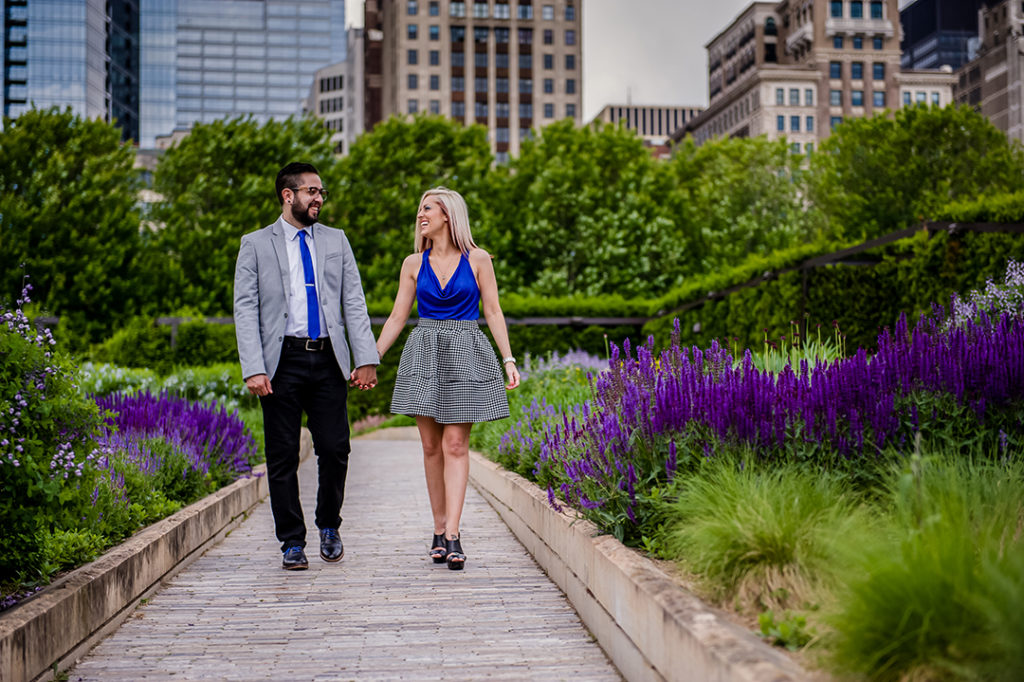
(403, 303)
(488, 283)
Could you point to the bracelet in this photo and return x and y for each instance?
(509, 359)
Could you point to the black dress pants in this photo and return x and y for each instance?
(310, 382)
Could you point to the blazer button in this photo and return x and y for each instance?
(286, 314)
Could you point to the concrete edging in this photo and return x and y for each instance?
(650, 628)
(64, 620)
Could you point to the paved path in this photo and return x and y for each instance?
(385, 612)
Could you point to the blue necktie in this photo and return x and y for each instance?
(312, 309)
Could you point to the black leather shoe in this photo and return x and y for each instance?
(331, 548)
(294, 559)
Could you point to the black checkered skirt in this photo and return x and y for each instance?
(449, 372)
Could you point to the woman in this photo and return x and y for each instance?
(448, 376)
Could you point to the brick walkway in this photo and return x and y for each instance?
(386, 612)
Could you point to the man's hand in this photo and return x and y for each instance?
(259, 385)
(364, 378)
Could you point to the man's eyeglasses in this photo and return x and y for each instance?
(313, 191)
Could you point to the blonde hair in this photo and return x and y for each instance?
(454, 207)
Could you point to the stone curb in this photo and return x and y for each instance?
(650, 628)
(68, 617)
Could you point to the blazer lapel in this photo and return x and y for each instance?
(280, 242)
(321, 254)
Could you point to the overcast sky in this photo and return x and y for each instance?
(642, 51)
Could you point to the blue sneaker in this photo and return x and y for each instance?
(294, 559)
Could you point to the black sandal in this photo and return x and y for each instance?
(455, 558)
(437, 549)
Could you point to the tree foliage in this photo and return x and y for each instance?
(883, 173)
(216, 185)
(68, 219)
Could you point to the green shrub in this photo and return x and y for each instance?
(139, 344)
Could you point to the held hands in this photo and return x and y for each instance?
(364, 378)
(513, 375)
(259, 385)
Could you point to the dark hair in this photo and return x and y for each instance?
(289, 175)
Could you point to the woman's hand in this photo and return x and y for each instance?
(513, 375)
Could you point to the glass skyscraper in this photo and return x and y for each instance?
(203, 60)
(156, 66)
(81, 54)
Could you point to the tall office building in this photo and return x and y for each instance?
(510, 65)
(993, 83)
(796, 69)
(82, 54)
(653, 124)
(204, 60)
(336, 95)
(939, 33)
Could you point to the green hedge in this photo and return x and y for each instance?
(908, 276)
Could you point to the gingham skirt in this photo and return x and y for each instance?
(448, 371)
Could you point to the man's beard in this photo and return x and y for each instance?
(304, 217)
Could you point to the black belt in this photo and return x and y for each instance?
(311, 345)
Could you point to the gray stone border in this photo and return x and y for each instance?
(58, 625)
(652, 629)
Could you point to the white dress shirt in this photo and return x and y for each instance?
(298, 319)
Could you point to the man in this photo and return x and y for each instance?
(299, 306)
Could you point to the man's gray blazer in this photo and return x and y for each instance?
(261, 303)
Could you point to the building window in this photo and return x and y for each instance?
(837, 9)
(809, 97)
(526, 85)
(876, 9)
(525, 110)
(480, 34)
(479, 10)
(412, 57)
(935, 98)
(906, 99)
(435, 8)
(857, 98)
(878, 99)
(457, 9)
(526, 36)
(921, 97)
(501, 109)
(570, 37)
(856, 9)
(878, 71)
(834, 121)
(809, 148)
(857, 71)
(525, 61)
(794, 148)
(501, 135)
(435, 32)
(413, 106)
(835, 70)
(570, 62)
(837, 42)
(780, 123)
(501, 85)
(794, 97)
(501, 36)
(412, 31)
(835, 98)
(501, 60)
(570, 111)
(549, 61)
(435, 82)
(858, 42)
(502, 10)
(458, 58)
(435, 57)
(480, 84)
(549, 37)
(570, 86)
(525, 11)
(435, 106)
(413, 81)
(780, 96)
(570, 13)
(549, 86)
(809, 127)
(547, 12)
(549, 110)
(878, 42)
(501, 157)
(412, 7)
(480, 60)
(458, 110)
(458, 84)
(458, 34)
(480, 109)
(794, 124)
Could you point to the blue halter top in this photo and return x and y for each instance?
(458, 300)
